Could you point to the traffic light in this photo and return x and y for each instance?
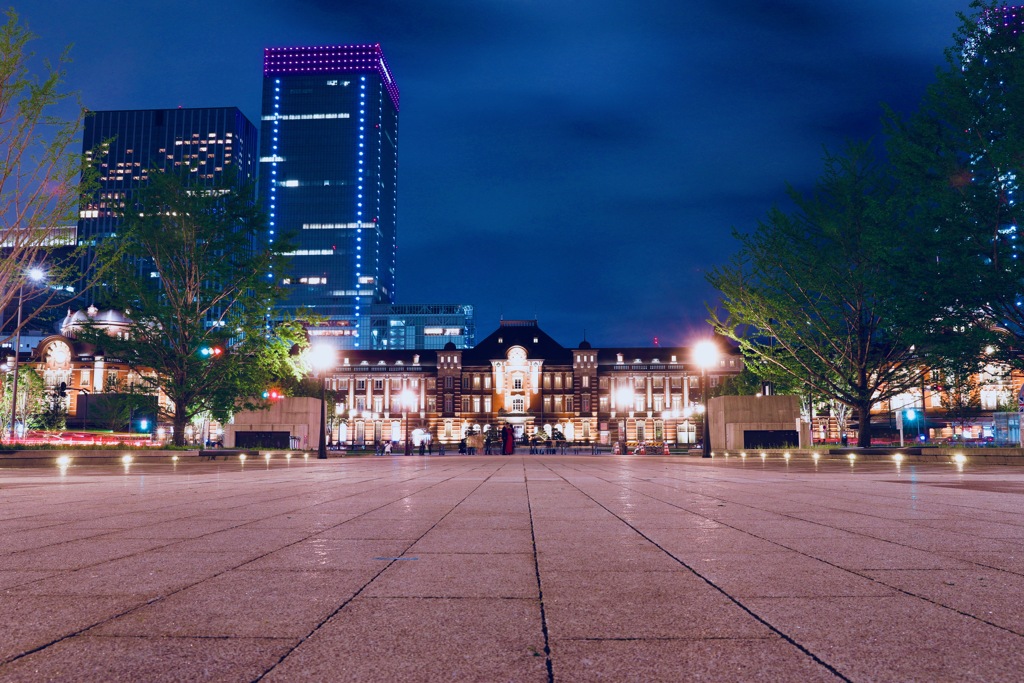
(210, 351)
(272, 394)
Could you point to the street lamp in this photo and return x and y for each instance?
(34, 275)
(705, 353)
(321, 358)
(624, 399)
(407, 403)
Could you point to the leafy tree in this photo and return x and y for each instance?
(841, 412)
(32, 396)
(961, 397)
(52, 415)
(958, 161)
(120, 401)
(41, 179)
(809, 295)
(199, 321)
(746, 383)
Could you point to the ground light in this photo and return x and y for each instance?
(241, 457)
(743, 454)
(64, 461)
(851, 457)
(787, 456)
(898, 458)
(126, 459)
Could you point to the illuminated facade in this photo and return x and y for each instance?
(329, 163)
(126, 145)
(83, 369)
(521, 377)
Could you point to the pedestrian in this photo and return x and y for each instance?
(387, 448)
(423, 446)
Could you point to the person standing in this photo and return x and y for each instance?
(510, 440)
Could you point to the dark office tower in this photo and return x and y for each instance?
(329, 161)
(138, 141)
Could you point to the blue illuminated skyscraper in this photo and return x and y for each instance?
(329, 164)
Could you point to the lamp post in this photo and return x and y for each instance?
(322, 359)
(407, 402)
(624, 399)
(34, 275)
(705, 353)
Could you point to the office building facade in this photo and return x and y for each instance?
(328, 180)
(421, 326)
(127, 145)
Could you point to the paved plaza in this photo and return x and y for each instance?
(520, 568)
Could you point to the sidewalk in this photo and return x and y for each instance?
(514, 568)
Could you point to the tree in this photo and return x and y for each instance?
(199, 320)
(746, 383)
(120, 402)
(808, 297)
(52, 415)
(41, 180)
(959, 160)
(960, 395)
(31, 397)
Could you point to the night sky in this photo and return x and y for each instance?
(582, 163)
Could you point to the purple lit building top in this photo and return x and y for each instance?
(330, 59)
(1010, 16)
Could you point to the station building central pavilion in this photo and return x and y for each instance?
(519, 376)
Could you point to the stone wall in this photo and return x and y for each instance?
(299, 416)
(731, 416)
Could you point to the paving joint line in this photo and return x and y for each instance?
(549, 665)
(362, 588)
(709, 582)
(834, 565)
(160, 598)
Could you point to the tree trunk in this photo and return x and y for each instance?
(864, 424)
(180, 422)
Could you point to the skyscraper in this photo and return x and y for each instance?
(329, 163)
(138, 141)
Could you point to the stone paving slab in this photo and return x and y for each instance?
(524, 568)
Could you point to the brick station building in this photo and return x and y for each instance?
(521, 377)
